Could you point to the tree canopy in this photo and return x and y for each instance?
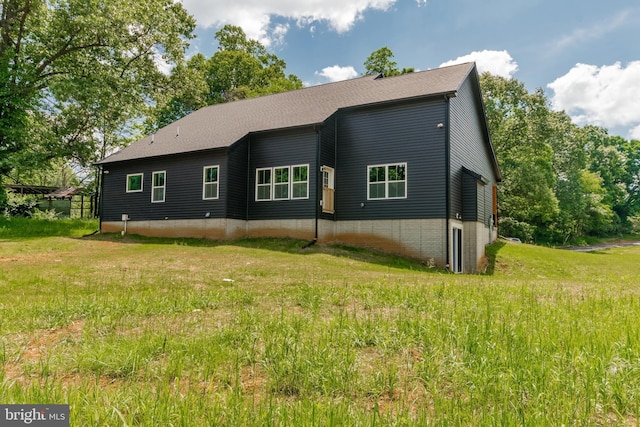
(240, 68)
(74, 73)
(562, 182)
(381, 62)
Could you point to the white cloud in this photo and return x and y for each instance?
(497, 62)
(254, 16)
(337, 73)
(634, 133)
(605, 96)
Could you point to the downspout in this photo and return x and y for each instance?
(335, 163)
(246, 208)
(318, 181)
(447, 149)
(318, 190)
(100, 196)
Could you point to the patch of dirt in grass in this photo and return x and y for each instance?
(47, 338)
(38, 346)
(254, 381)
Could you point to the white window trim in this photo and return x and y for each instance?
(204, 182)
(386, 181)
(272, 185)
(154, 187)
(299, 182)
(141, 183)
(280, 184)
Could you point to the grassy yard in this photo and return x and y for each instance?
(152, 332)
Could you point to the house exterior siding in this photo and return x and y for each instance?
(402, 133)
(471, 198)
(282, 149)
(468, 149)
(236, 180)
(183, 197)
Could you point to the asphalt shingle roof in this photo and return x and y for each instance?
(221, 125)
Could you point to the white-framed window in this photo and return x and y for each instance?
(158, 186)
(134, 182)
(300, 182)
(281, 180)
(387, 181)
(282, 183)
(263, 184)
(210, 182)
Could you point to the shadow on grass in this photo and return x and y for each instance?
(492, 253)
(286, 245)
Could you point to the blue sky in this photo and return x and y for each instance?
(584, 54)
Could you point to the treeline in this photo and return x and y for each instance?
(561, 182)
(79, 79)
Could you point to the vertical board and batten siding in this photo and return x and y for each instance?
(406, 132)
(183, 191)
(469, 149)
(236, 176)
(327, 154)
(268, 150)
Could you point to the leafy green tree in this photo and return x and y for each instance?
(69, 68)
(241, 68)
(631, 150)
(521, 129)
(381, 62)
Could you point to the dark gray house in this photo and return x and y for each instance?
(404, 164)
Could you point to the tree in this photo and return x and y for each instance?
(520, 126)
(241, 68)
(380, 62)
(69, 68)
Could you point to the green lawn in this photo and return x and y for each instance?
(154, 332)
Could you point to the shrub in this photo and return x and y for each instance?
(20, 205)
(49, 214)
(513, 228)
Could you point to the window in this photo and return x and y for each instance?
(282, 183)
(210, 183)
(263, 184)
(300, 182)
(158, 187)
(387, 181)
(134, 182)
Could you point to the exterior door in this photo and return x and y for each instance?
(328, 191)
(456, 250)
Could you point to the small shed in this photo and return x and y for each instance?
(74, 202)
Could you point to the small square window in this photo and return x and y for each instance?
(134, 183)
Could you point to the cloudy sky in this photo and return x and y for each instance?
(583, 53)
